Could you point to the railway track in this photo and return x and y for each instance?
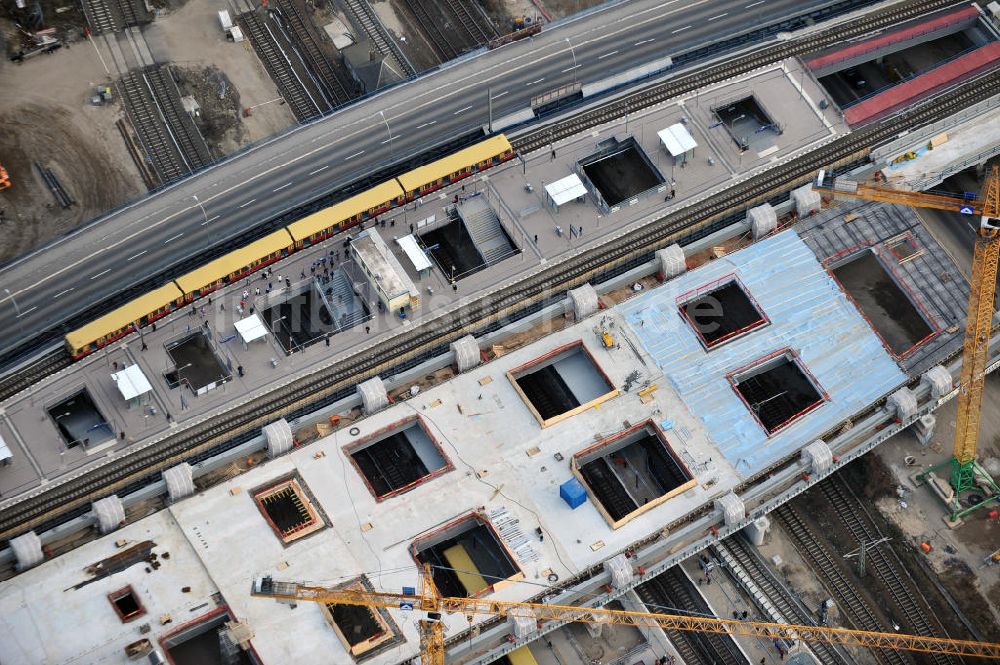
(443, 47)
(383, 41)
(106, 16)
(473, 22)
(884, 562)
(279, 67)
(844, 593)
(337, 87)
(242, 421)
(50, 363)
(164, 90)
(672, 591)
(790, 607)
(161, 149)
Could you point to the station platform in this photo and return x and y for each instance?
(542, 235)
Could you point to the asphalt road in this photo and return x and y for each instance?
(43, 289)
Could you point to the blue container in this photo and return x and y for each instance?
(573, 493)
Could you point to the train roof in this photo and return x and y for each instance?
(434, 171)
(124, 315)
(232, 262)
(346, 209)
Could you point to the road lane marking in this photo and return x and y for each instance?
(244, 205)
(350, 157)
(498, 96)
(568, 69)
(278, 189)
(427, 124)
(322, 168)
(104, 272)
(27, 311)
(135, 256)
(63, 292)
(388, 139)
(210, 219)
(534, 82)
(413, 104)
(606, 55)
(652, 39)
(686, 27)
(754, 4)
(462, 110)
(172, 238)
(719, 16)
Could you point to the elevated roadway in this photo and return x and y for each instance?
(130, 248)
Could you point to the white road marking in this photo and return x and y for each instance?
(606, 55)
(719, 16)
(135, 256)
(104, 272)
(462, 110)
(278, 189)
(210, 219)
(754, 4)
(244, 205)
(350, 157)
(322, 168)
(616, 29)
(63, 292)
(534, 82)
(686, 27)
(387, 140)
(652, 39)
(27, 311)
(569, 69)
(426, 124)
(498, 96)
(172, 238)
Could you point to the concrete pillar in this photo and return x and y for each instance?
(27, 550)
(939, 380)
(521, 627)
(757, 529)
(374, 397)
(594, 630)
(817, 457)
(807, 201)
(670, 261)
(620, 570)
(583, 301)
(762, 220)
(655, 636)
(180, 481)
(904, 403)
(924, 428)
(279, 437)
(466, 353)
(110, 512)
(732, 507)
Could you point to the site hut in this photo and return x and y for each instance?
(394, 287)
(564, 190)
(678, 142)
(133, 385)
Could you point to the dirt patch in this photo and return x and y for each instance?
(403, 25)
(218, 119)
(561, 8)
(66, 17)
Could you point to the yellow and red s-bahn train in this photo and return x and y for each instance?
(305, 232)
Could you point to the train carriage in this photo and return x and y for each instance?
(454, 167)
(235, 265)
(119, 322)
(340, 216)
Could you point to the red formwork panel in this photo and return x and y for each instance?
(876, 43)
(939, 77)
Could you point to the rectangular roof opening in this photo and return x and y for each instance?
(80, 422)
(888, 308)
(288, 510)
(721, 311)
(364, 631)
(562, 383)
(398, 458)
(467, 557)
(126, 603)
(631, 472)
(777, 389)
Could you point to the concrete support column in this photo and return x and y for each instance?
(522, 627)
(904, 403)
(924, 428)
(817, 457)
(279, 437)
(179, 480)
(757, 529)
(373, 394)
(620, 569)
(939, 380)
(655, 636)
(807, 201)
(762, 220)
(732, 507)
(670, 261)
(110, 513)
(465, 352)
(27, 550)
(583, 301)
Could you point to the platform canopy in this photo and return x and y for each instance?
(132, 383)
(565, 190)
(413, 252)
(677, 140)
(251, 328)
(5, 454)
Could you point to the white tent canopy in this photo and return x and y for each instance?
(250, 328)
(132, 383)
(413, 252)
(677, 140)
(565, 190)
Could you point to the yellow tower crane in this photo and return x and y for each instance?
(429, 605)
(965, 473)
